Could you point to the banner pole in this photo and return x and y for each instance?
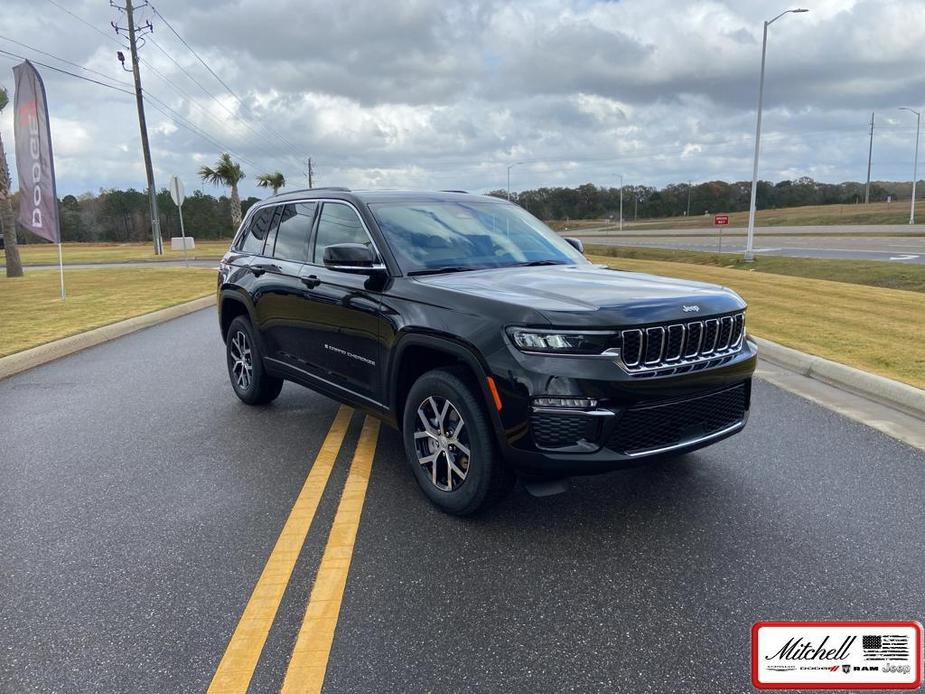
(61, 269)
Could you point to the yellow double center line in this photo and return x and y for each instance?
(306, 669)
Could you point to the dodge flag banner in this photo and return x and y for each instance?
(38, 200)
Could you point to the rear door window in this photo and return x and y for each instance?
(256, 234)
(294, 231)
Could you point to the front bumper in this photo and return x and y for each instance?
(632, 420)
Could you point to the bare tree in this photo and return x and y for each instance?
(7, 218)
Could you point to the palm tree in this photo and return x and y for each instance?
(7, 219)
(272, 180)
(226, 173)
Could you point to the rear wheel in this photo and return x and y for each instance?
(249, 379)
(449, 444)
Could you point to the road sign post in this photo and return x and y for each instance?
(178, 194)
(719, 221)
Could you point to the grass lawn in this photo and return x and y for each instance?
(74, 253)
(874, 273)
(32, 313)
(876, 329)
(809, 215)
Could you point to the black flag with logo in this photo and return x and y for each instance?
(38, 202)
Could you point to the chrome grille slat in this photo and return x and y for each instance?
(680, 347)
(650, 336)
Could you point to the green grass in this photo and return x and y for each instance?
(32, 313)
(876, 329)
(810, 215)
(82, 253)
(873, 273)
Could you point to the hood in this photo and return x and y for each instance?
(593, 294)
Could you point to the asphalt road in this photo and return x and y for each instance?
(909, 249)
(140, 502)
(654, 228)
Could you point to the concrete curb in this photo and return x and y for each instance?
(30, 358)
(899, 396)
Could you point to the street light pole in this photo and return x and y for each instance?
(915, 161)
(621, 202)
(749, 245)
(509, 167)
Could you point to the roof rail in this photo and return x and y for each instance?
(455, 191)
(340, 189)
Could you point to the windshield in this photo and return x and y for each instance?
(435, 236)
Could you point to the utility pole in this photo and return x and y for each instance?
(311, 173)
(870, 152)
(134, 34)
(688, 214)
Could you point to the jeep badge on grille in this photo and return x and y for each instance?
(690, 308)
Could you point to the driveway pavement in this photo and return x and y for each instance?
(141, 504)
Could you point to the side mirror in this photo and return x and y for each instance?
(350, 257)
(575, 243)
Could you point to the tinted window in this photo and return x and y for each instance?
(257, 231)
(426, 235)
(338, 224)
(295, 226)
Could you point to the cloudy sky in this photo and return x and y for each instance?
(446, 94)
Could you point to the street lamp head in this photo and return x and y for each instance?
(797, 10)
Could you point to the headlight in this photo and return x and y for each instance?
(577, 342)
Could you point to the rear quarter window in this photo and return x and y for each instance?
(253, 239)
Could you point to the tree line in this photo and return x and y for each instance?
(122, 216)
(677, 199)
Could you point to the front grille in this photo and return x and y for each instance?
(680, 347)
(653, 427)
(559, 430)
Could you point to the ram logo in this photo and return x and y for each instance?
(690, 308)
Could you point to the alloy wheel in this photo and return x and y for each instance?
(242, 361)
(441, 440)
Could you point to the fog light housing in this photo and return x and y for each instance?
(565, 402)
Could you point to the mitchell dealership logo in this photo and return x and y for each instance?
(690, 308)
(798, 649)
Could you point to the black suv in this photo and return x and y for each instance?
(490, 341)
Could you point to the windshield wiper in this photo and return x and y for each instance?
(445, 268)
(537, 263)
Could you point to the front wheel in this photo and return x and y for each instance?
(449, 444)
(248, 377)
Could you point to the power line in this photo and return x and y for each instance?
(64, 60)
(158, 104)
(67, 72)
(84, 21)
(186, 123)
(215, 75)
(190, 98)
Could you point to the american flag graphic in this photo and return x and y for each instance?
(885, 647)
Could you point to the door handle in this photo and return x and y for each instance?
(311, 281)
(261, 268)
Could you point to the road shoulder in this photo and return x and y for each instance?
(36, 356)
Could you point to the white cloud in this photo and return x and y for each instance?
(446, 94)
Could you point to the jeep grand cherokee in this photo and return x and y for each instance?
(491, 342)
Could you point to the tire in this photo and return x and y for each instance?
(248, 376)
(456, 482)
